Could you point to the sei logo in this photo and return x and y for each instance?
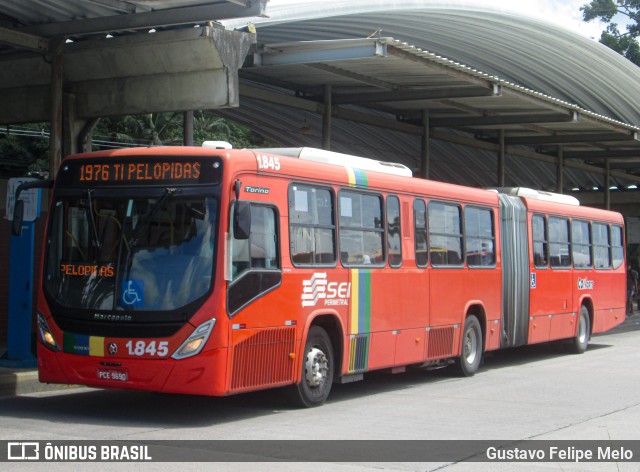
(318, 287)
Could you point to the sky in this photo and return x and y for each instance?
(565, 13)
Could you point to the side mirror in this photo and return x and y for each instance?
(18, 207)
(18, 218)
(242, 220)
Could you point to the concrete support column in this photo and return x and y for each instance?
(425, 157)
(76, 133)
(326, 119)
(56, 46)
(85, 138)
(187, 131)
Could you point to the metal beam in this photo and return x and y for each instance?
(57, 84)
(326, 119)
(501, 120)
(433, 93)
(257, 93)
(425, 148)
(612, 153)
(380, 121)
(116, 5)
(22, 40)
(425, 60)
(288, 54)
(501, 159)
(560, 171)
(151, 19)
(572, 138)
(187, 127)
(607, 185)
(352, 75)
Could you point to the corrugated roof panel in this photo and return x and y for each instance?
(528, 56)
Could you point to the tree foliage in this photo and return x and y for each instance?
(25, 148)
(624, 42)
(157, 129)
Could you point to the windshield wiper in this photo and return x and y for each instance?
(168, 192)
(92, 221)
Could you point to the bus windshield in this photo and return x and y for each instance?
(142, 253)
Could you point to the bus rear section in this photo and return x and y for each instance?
(564, 272)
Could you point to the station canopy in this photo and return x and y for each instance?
(471, 74)
(474, 69)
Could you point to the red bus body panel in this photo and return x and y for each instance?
(381, 317)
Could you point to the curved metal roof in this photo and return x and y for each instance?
(522, 50)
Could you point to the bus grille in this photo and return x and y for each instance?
(358, 354)
(440, 342)
(264, 359)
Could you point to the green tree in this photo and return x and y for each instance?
(24, 148)
(623, 42)
(167, 129)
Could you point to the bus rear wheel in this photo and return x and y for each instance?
(580, 342)
(317, 370)
(471, 354)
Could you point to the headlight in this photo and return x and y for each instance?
(45, 334)
(194, 343)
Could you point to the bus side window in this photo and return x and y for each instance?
(601, 246)
(445, 234)
(617, 246)
(394, 244)
(581, 244)
(420, 231)
(312, 232)
(559, 246)
(540, 241)
(361, 229)
(260, 250)
(479, 237)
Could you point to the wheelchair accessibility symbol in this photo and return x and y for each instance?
(133, 292)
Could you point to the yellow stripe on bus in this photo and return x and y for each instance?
(96, 346)
(352, 176)
(355, 300)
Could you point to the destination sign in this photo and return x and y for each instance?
(139, 171)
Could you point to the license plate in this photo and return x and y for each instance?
(119, 375)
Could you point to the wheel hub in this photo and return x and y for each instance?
(316, 368)
(470, 347)
(582, 330)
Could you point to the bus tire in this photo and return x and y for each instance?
(580, 342)
(317, 370)
(471, 353)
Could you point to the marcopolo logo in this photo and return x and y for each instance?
(318, 287)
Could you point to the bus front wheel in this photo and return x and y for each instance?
(471, 354)
(317, 370)
(581, 340)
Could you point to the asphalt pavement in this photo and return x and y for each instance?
(22, 381)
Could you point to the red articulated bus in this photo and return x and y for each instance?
(218, 271)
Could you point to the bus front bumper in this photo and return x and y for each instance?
(203, 374)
